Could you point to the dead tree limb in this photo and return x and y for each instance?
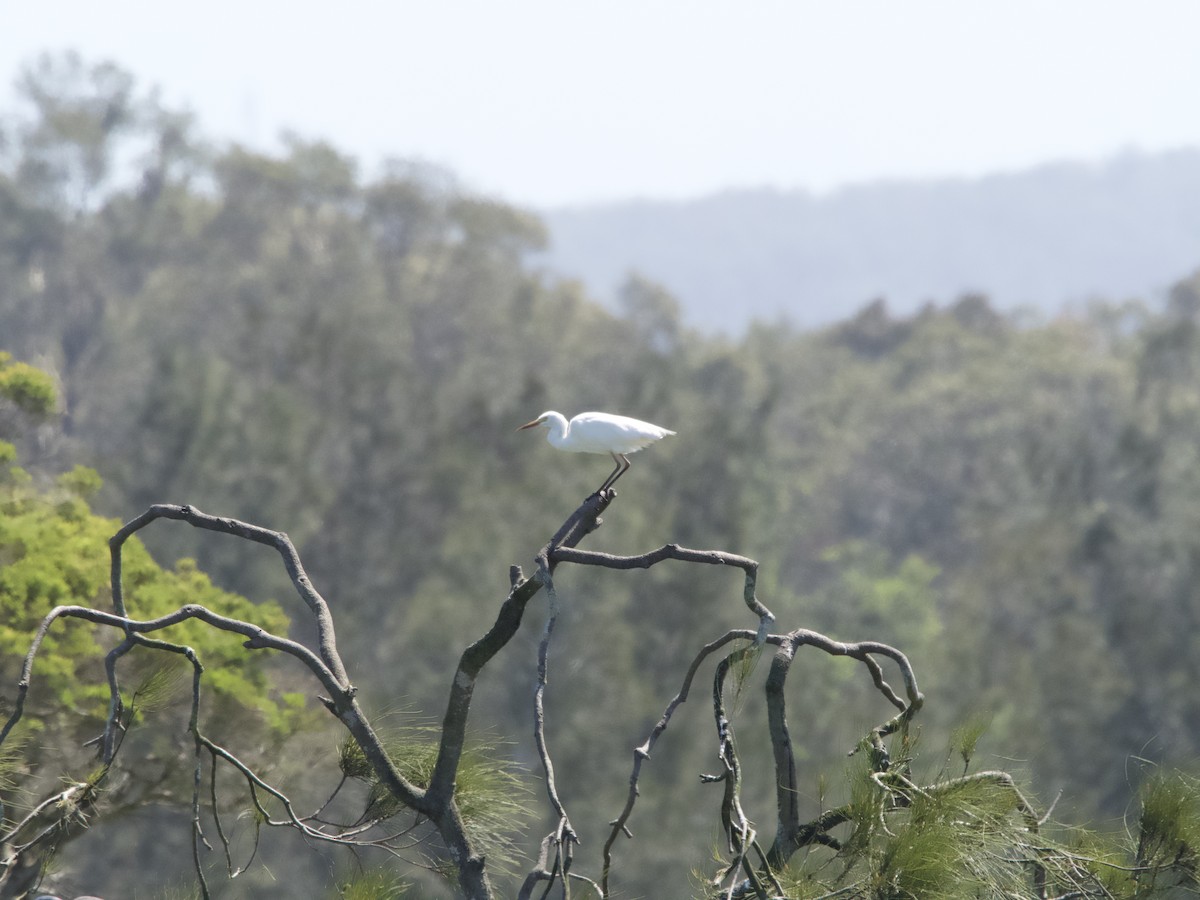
(790, 834)
(750, 868)
(435, 802)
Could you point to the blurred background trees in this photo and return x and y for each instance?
(287, 341)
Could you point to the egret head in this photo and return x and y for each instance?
(540, 420)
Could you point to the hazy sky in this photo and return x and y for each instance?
(548, 102)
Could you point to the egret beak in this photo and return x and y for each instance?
(532, 424)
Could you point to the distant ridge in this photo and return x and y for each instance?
(1046, 237)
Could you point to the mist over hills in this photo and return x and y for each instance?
(1045, 238)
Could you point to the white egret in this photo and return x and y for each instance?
(597, 432)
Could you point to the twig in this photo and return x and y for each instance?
(683, 554)
(641, 753)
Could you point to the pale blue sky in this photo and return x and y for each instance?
(548, 102)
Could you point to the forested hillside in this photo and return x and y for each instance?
(287, 341)
(1048, 238)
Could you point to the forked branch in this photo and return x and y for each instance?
(435, 803)
(751, 868)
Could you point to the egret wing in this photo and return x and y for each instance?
(595, 432)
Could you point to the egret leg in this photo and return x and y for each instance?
(622, 462)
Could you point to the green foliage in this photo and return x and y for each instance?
(55, 553)
(30, 389)
(1169, 825)
(27, 397)
(965, 738)
(13, 759)
(373, 885)
(895, 601)
(973, 836)
(81, 482)
(161, 685)
(923, 860)
(182, 891)
(494, 797)
(491, 792)
(949, 839)
(1154, 858)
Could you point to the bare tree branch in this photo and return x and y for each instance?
(274, 539)
(641, 754)
(748, 871)
(683, 554)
